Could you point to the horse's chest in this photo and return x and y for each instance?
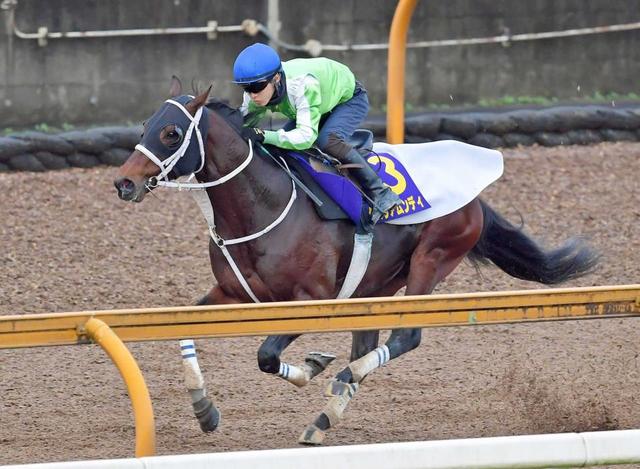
(273, 273)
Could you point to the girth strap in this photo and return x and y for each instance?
(359, 262)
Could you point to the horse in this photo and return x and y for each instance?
(298, 256)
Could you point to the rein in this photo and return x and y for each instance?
(198, 190)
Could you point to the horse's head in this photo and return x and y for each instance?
(171, 146)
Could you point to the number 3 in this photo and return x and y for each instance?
(390, 169)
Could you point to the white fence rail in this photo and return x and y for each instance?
(527, 451)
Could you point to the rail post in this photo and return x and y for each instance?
(102, 334)
(395, 70)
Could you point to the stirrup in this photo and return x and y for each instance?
(391, 199)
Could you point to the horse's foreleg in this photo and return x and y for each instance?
(205, 411)
(363, 342)
(273, 346)
(269, 361)
(207, 414)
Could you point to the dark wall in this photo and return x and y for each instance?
(124, 79)
(113, 79)
(550, 68)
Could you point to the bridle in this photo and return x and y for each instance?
(167, 164)
(198, 190)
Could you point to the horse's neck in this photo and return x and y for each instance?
(253, 198)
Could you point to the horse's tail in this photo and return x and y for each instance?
(509, 248)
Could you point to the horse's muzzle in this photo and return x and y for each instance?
(126, 188)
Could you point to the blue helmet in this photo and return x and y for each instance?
(256, 62)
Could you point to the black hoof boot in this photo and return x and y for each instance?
(318, 362)
(207, 414)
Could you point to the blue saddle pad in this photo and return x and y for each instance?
(347, 196)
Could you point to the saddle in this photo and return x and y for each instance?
(305, 163)
(432, 179)
(343, 197)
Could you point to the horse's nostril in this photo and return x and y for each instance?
(125, 187)
(127, 184)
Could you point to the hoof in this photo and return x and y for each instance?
(318, 362)
(207, 414)
(338, 388)
(311, 435)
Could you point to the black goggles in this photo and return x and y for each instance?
(256, 86)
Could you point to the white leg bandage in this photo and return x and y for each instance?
(372, 360)
(298, 375)
(192, 376)
(336, 405)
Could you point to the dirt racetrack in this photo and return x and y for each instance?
(69, 244)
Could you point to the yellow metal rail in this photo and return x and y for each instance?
(299, 317)
(324, 316)
(136, 387)
(395, 70)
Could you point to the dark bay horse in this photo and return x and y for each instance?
(302, 257)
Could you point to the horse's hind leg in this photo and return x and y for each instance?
(343, 389)
(442, 246)
(363, 343)
(269, 361)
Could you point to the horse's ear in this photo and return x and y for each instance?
(176, 87)
(199, 100)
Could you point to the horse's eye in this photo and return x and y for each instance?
(174, 136)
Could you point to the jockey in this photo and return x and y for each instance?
(324, 104)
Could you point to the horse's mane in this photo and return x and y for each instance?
(230, 114)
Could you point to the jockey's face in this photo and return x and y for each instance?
(262, 98)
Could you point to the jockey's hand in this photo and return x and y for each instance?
(253, 133)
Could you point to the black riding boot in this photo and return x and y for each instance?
(383, 197)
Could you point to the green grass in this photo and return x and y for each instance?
(517, 100)
(607, 97)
